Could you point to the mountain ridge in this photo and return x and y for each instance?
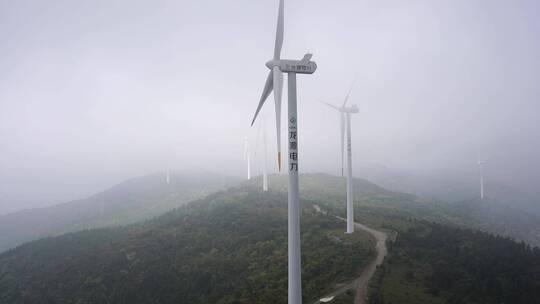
(130, 201)
(229, 247)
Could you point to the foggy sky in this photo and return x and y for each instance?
(94, 92)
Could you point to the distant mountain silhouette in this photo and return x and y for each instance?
(498, 218)
(134, 200)
(449, 188)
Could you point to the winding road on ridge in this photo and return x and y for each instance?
(361, 283)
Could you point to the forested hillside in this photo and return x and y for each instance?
(451, 187)
(146, 197)
(230, 247)
(431, 263)
(486, 215)
(134, 200)
(498, 218)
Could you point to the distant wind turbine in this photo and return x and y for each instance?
(265, 162)
(345, 119)
(481, 169)
(168, 177)
(262, 129)
(247, 157)
(274, 82)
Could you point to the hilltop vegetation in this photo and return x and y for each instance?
(326, 187)
(143, 198)
(230, 247)
(497, 218)
(431, 263)
(373, 204)
(450, 187)
(131, 201)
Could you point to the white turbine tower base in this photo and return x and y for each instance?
(295, 281)
(482, 187)
(481, 168)
(350, 198)
(265, 155)
(345, 127)
(262, 130)
(274, 82)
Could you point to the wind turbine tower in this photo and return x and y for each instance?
(481, 169)
(345, 120)
(262, 130)
(265, 155)
(274, 82)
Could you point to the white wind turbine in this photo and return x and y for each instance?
(481, 169)
(274, 82)
(247, 157)
(345, 119)
(262, 128)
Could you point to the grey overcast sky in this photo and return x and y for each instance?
(94, 92)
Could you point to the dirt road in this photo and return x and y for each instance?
(361, 283)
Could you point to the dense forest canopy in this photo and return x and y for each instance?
(228, 248)
(128, 202)
(432, 263)
(231, 247)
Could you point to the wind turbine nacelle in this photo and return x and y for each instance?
(352, 109)
(294, 66)
(298, 66)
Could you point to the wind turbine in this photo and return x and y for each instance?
(262, 128)
(265, 162)
(274, 82)
(345, 119)
(247, 157)
(168, 177)
(481, 168)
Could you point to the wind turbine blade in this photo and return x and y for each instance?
(331, 105)
(267, 90)
(342, 122)
(279, 31)
(348, 94)
(278, 89)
